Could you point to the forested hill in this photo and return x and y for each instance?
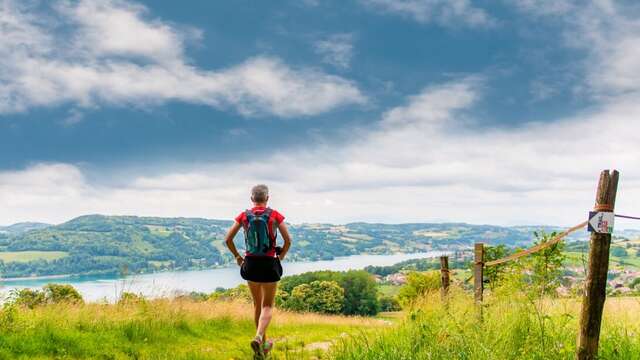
(96, 244)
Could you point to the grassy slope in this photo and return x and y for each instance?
(26, 256)
(513, 328)
(163, 329)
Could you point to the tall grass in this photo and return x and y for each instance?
(160, 329)
(513, 326)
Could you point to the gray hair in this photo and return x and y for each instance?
(259, 193)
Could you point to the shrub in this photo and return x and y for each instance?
(240, 292)
(547, 264)
(130, 298)
(389, 303)
(619, 251)
(318, 296)
(418, 285)
(28, 297)
(50, 294)
(57, 293)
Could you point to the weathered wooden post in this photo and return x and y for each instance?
(478, 272)
(596, 280)
(444, 276)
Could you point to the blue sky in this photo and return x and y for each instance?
(363, 110)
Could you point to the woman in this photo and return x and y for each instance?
(261, 264)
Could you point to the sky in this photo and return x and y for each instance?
(393, 111)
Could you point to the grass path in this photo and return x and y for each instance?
(164, 329)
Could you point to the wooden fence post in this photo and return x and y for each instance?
(478, 272)
(444, 276)
(596, 280)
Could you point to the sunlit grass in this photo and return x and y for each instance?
(163, 329)
(513, 326)
(26, 256)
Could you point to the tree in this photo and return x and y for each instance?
(318, 296)
(619, 251)
(360, 289)
(547, 263)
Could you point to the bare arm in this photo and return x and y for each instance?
(287, 239)
(228, 239)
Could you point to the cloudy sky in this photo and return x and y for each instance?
(500, 112)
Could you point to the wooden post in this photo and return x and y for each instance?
(478, 272)
(444, 276)
(596, 281)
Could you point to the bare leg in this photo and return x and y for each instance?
(268, 296)
(256, 295)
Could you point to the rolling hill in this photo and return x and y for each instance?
(97, 244)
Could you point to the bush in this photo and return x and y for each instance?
(619, 251)
(389, 303)
(28, 297)
(50, 294)
(325, 297)
(56, 293)
(418, 285)
(240, 292)
(130, 298)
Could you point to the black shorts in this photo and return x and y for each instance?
(262, 269)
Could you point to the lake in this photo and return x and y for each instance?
(171, 282)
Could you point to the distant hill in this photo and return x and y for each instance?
(97, 244)
(23, 227)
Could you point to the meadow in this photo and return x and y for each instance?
(27, 256)
(512, 325)
(165, 329)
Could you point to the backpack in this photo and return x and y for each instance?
(256, 233)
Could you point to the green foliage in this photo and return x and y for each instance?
(511, 328)
(619, 251)
(50, 294)
(360, 289)
(547, 264)
(28, 297)
(495, 273)
(318, 296)
(58, 293)
(418, 285)
(127, 298)
(240, 292)
(414, 265)
(158, 329)
(389, 303)
(97, 245)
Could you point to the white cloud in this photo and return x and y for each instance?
(609, 34)
(107, 52)
(421, 161)
(425, 160)
(451, 13)
(336, 50)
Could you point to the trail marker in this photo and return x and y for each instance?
(601, 222)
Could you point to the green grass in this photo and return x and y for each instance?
(512, 327)
(389, 290)
(575, 258)
(164, 329)
(26, 256)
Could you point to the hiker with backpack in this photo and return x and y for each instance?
(260, 265)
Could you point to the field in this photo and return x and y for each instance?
(26, 256)
(513, 326)
(164, 329)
